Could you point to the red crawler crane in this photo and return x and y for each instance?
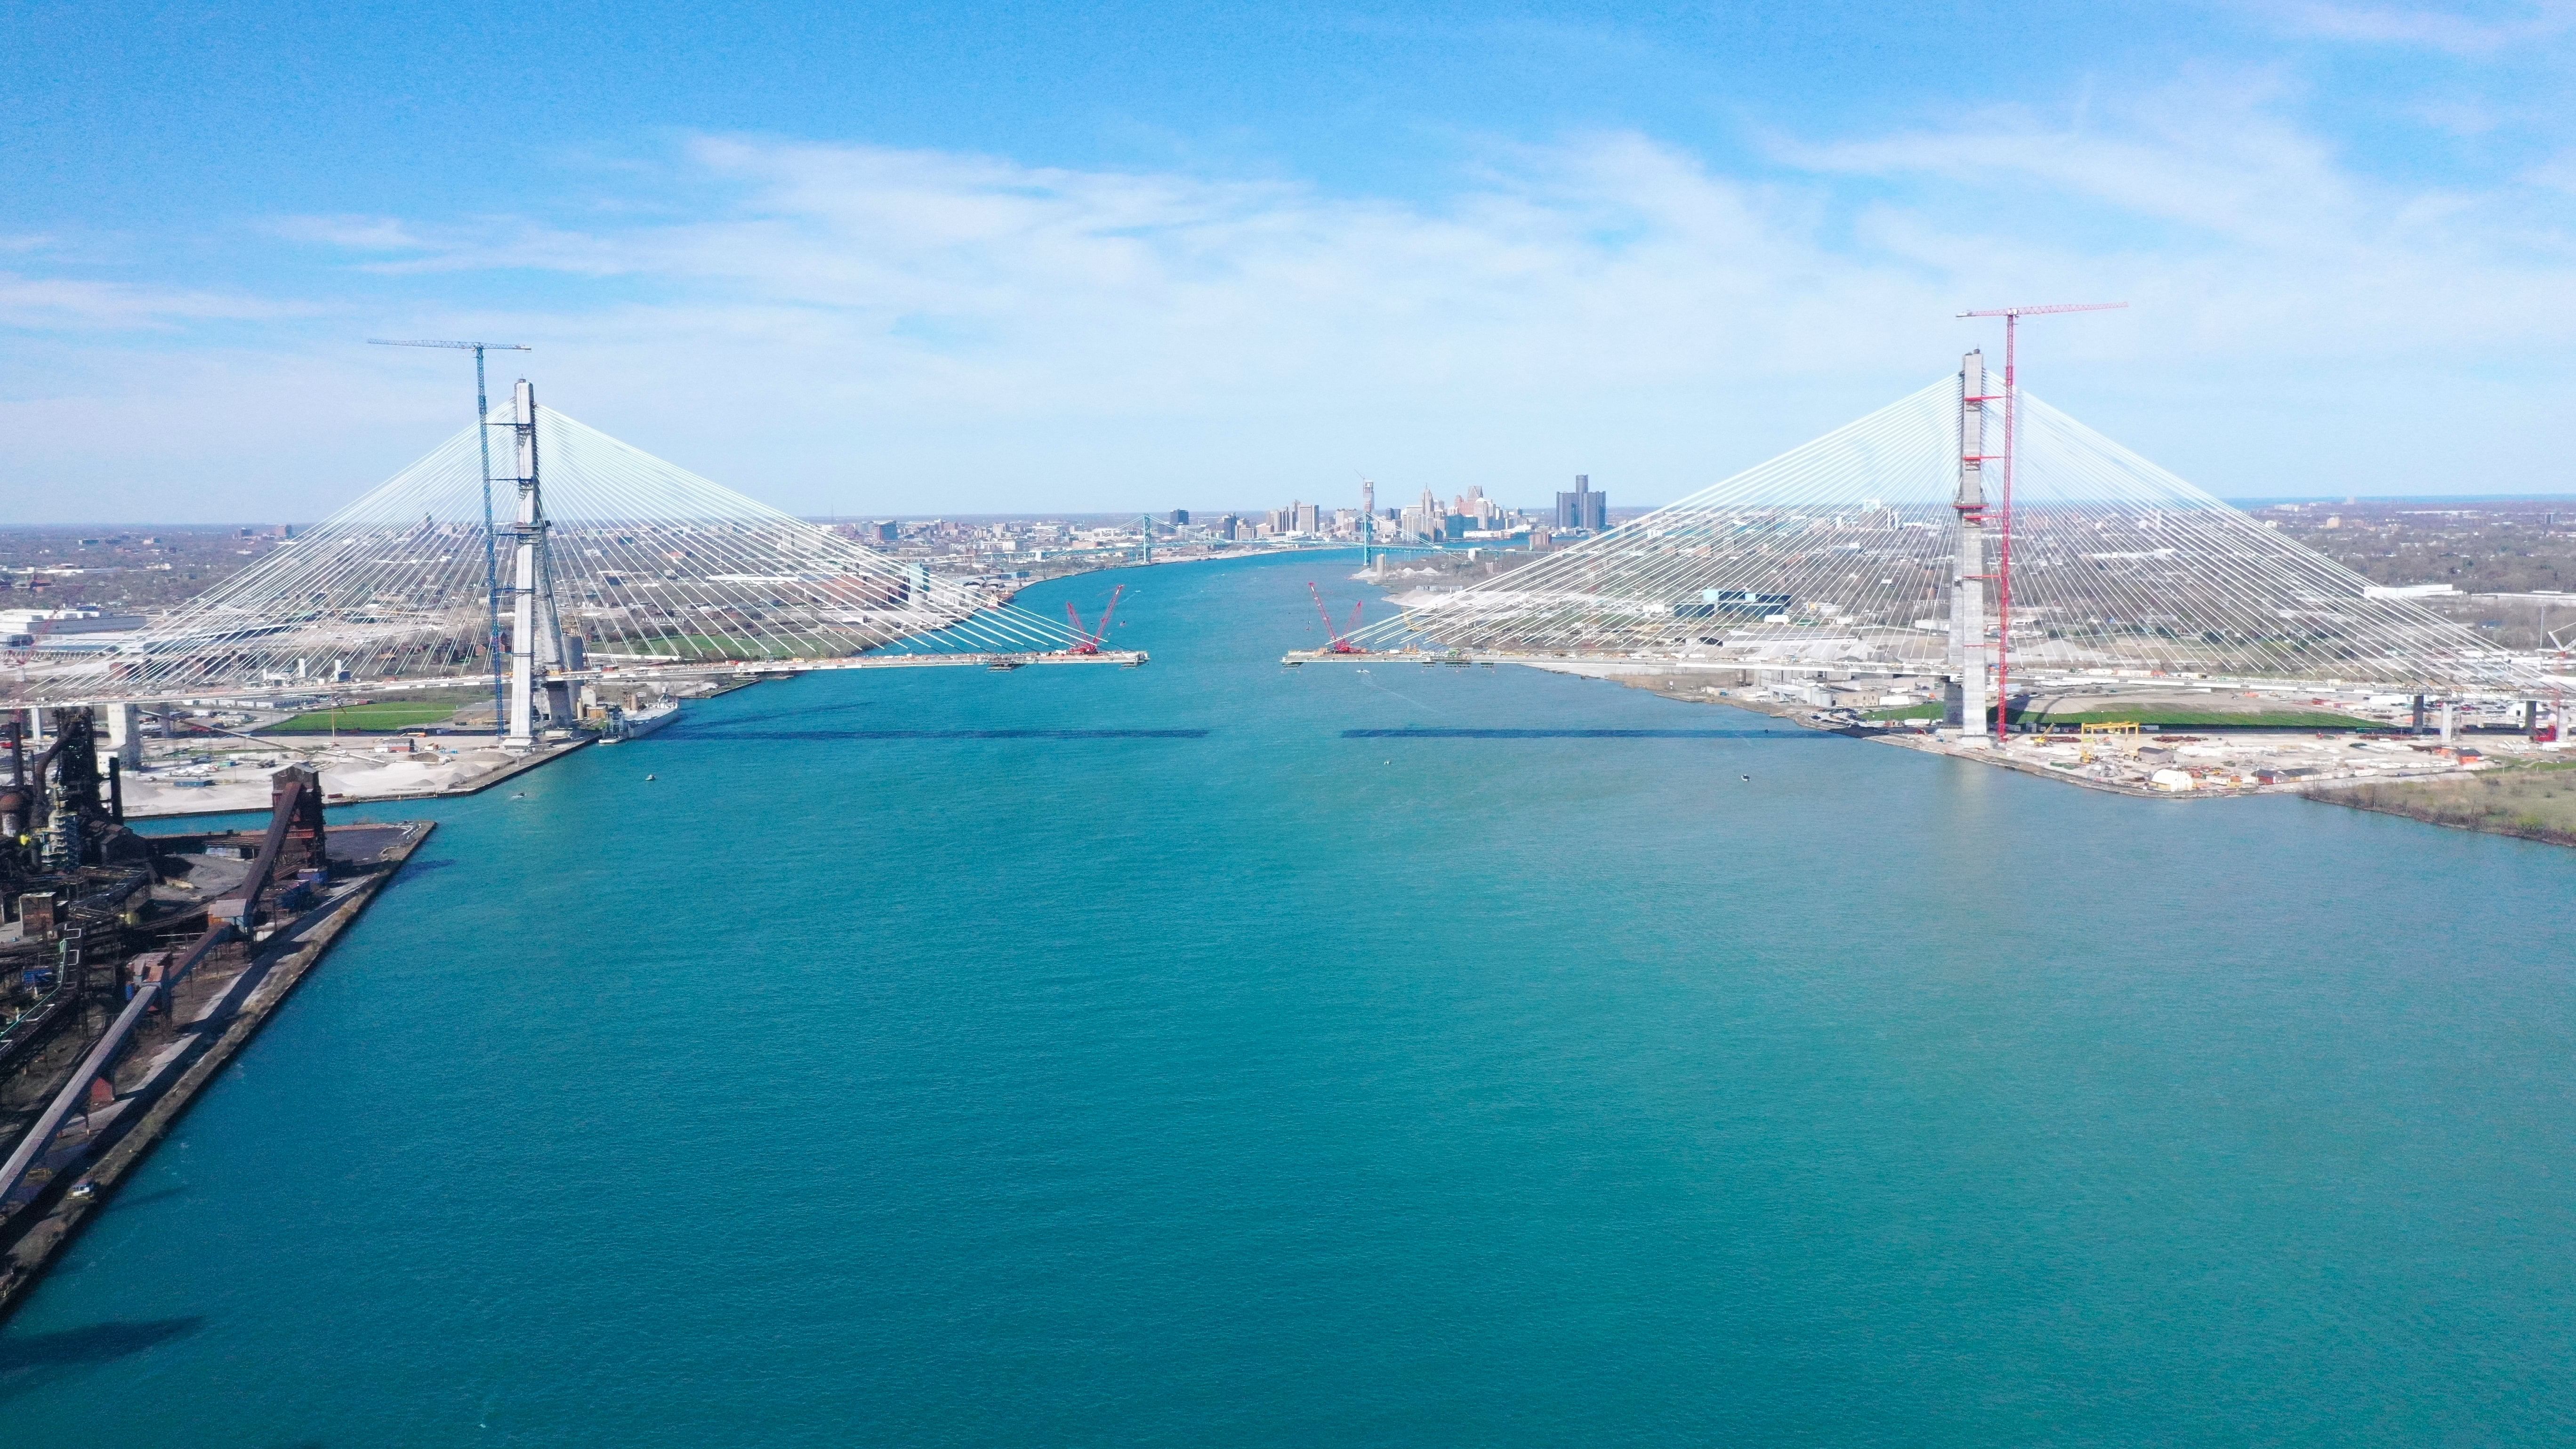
(1341, 638)
(1087, 641)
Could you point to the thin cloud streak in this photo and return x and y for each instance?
(58, 303)
(2430, 27)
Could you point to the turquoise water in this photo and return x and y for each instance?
(893, 1071)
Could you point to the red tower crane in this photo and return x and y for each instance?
(2003, 536)
(1086, 641)
(1340, 638)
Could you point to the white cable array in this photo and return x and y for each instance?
(652, 565)
(1840, 552)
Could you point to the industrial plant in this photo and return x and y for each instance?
(133, 966)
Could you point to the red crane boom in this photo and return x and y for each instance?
(1340, 639)
(2003, 536)
(1087, 641)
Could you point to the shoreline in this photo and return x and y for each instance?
(2539, 836)
(2327, 792)
(172, 1081)
(475, 786)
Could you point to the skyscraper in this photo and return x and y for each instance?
(1583, 508)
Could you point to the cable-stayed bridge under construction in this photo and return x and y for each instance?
(1897, 545)
(606, 563)
(1894, 547)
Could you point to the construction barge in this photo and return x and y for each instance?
(132, 968)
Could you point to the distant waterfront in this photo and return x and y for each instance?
(1219, 1053)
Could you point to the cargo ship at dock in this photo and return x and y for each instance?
(635, 724)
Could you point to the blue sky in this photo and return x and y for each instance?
(1097, 257)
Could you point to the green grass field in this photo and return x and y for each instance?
(2158, 716)
(385, 717)
(2207, 719)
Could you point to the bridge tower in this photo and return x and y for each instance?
(536, 628)
(1968, 573)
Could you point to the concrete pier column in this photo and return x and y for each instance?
(35, 727)
(125, 735)
(2450, 721)
(1969, 651)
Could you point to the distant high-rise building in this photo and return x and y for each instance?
(1306, 520)
(883, 530)
(1583, 508)
(1180, 516)
(1226, 526)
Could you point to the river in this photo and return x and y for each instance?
(1135, 1057)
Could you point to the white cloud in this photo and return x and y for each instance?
(356, 233)
(2455, 31)
(2225, 221)
(54, 303)
(868, 329)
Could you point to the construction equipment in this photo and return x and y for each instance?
(491, 538)
(2003, 536)
(1088, 641)
(1340, 639)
